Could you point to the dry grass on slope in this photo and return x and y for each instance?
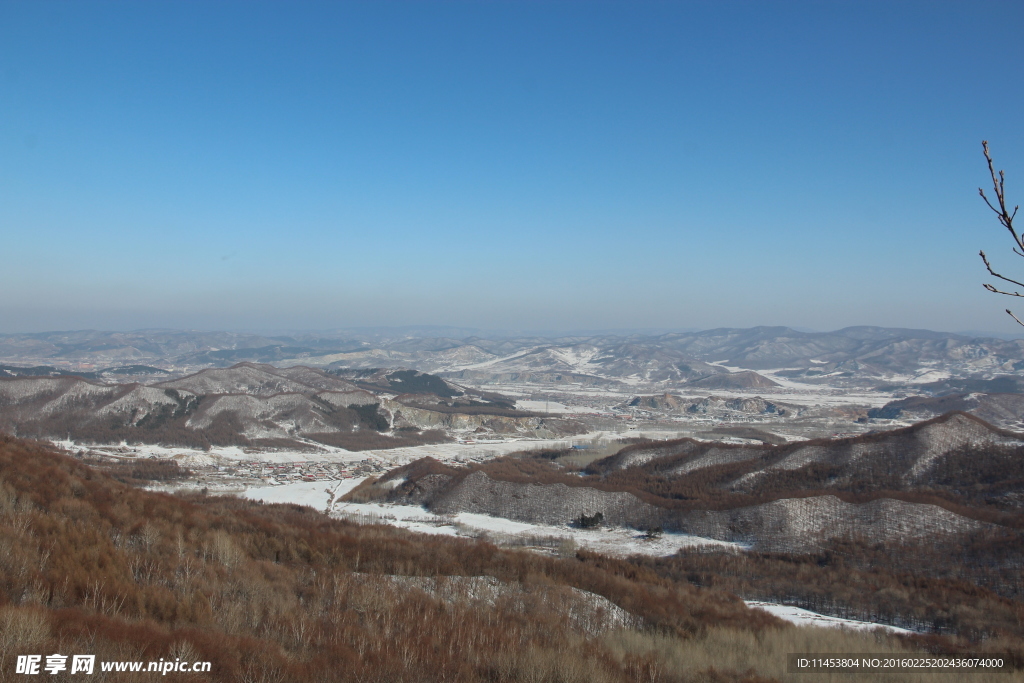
(853, 580)
(268, 594)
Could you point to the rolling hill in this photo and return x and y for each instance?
(953, 475)
(259, 405)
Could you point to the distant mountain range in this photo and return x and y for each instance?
(867, 356)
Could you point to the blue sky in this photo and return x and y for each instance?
(545, 165)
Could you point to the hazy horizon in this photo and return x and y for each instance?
(457, 332)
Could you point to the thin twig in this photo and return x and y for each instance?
(995, 274)
(1006, 220)
(999, 187)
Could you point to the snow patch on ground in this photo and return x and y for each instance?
(617, 542)
(553, 407)
(802, 617)
(315, 494)
(489, 362)
(930, 376)
(227, 455)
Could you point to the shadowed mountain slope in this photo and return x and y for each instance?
(257, 380)
(260, 405)
(734, 380)
(952, 475)
(900, 458)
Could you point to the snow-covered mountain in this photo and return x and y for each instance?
(260, 405)
(946, 476)
(916, 361)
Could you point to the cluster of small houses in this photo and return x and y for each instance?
(282, 473)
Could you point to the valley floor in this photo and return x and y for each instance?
(614, 541)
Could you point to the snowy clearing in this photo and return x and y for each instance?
(802, 617)
(315, 494)
(228, 455)
(556, 407)
(618, 542)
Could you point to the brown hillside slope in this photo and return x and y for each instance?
(282, 593)
(953, 475)
(257, 379)
(745, 379)
(955, 460)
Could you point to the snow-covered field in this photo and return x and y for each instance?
(227, 455)
(610, 541)
(315, 494)
(802, 617)
(556, 407)
(603, 399)
(466, 451)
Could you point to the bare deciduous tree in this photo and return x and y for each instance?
(1006, 220)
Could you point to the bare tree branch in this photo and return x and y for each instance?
(999, 187)
(1001, 277)
(999, 291)
(1005, 217)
